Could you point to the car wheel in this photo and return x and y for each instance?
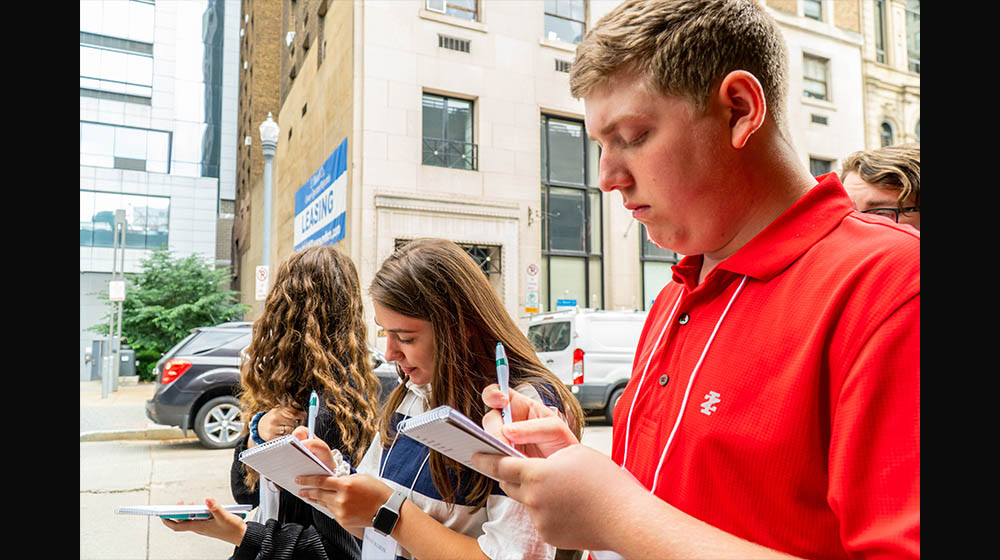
(218, 424)
(609, 411)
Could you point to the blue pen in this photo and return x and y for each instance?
(503, 377)
(313, 409)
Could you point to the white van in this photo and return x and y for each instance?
(590, 350)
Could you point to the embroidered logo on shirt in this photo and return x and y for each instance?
(711, 399)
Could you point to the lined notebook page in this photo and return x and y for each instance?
(284, 458)
(450, 432)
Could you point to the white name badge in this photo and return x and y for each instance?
(377, 547)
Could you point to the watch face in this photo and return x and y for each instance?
(385, 520)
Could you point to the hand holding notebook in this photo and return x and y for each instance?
(282, 459)
(452, 433)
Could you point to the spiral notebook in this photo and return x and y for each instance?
(452, 433)
(180, 511)
(284, 458)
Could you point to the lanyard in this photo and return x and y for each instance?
(687, 391)
(391, 447)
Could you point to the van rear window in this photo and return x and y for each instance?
(549, 337)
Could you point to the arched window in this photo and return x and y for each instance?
(885, 134)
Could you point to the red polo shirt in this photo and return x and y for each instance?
(793, 420)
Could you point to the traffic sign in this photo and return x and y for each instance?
(261, 280)
(116, 290)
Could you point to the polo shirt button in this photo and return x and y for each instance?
(664, 378)
(684, 319)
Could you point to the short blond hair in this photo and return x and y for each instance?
(895, 168)
(684, 48)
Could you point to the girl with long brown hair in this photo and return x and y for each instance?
(443, 321)
(310, 336)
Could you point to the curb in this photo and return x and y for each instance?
(164, 433)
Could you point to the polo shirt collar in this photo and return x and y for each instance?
(785, 239)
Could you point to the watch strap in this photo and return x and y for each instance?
(386, 517)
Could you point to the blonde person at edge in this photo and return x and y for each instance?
(443, 321)
(310, 336)
(773, 407)
(885, 181)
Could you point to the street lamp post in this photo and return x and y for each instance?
(269, 142)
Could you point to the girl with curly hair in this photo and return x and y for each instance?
(310, 336)
(442, 321)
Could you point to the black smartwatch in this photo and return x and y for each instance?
(387, 515)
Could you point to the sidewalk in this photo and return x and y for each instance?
(122, 415)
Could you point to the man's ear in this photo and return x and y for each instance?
(743, 97)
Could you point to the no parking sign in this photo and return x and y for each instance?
(260, 279)
(531, 289)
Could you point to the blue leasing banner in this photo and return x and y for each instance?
(321, 203)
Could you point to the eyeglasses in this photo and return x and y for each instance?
(891, 212)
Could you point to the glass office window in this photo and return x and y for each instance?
(656, 263)
(814, 77)
(572, 266)
(565, 20)
(86, 218)
(568, 281)
(116, 71)
(880, 31)
(567, 219)
(564, 151)
(913, 35)
(123, 147)
(812, 9)
(819, 166)
(126, 19)
(448, 139)
(465, 9)
(146, 219)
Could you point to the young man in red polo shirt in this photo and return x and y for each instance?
(773, 408)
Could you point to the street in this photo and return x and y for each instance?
(141, 472)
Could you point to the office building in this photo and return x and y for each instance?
(157, 137)
(452, 118)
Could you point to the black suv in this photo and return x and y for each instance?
(198, 379)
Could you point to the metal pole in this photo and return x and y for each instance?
(119, 219)
(107, 368)
(268, 149)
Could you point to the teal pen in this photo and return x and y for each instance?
(503, 378)
(313, 409)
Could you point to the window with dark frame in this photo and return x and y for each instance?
(147, 219)
(486, 256)
(886, 135)
(814, 77)
(819, 166)
(565, 20)
(880, 31)
(572, 267)
(124, 147)
(464, 9)
(812, 9)
(655, 263)
(448, 139)
(913, 35)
